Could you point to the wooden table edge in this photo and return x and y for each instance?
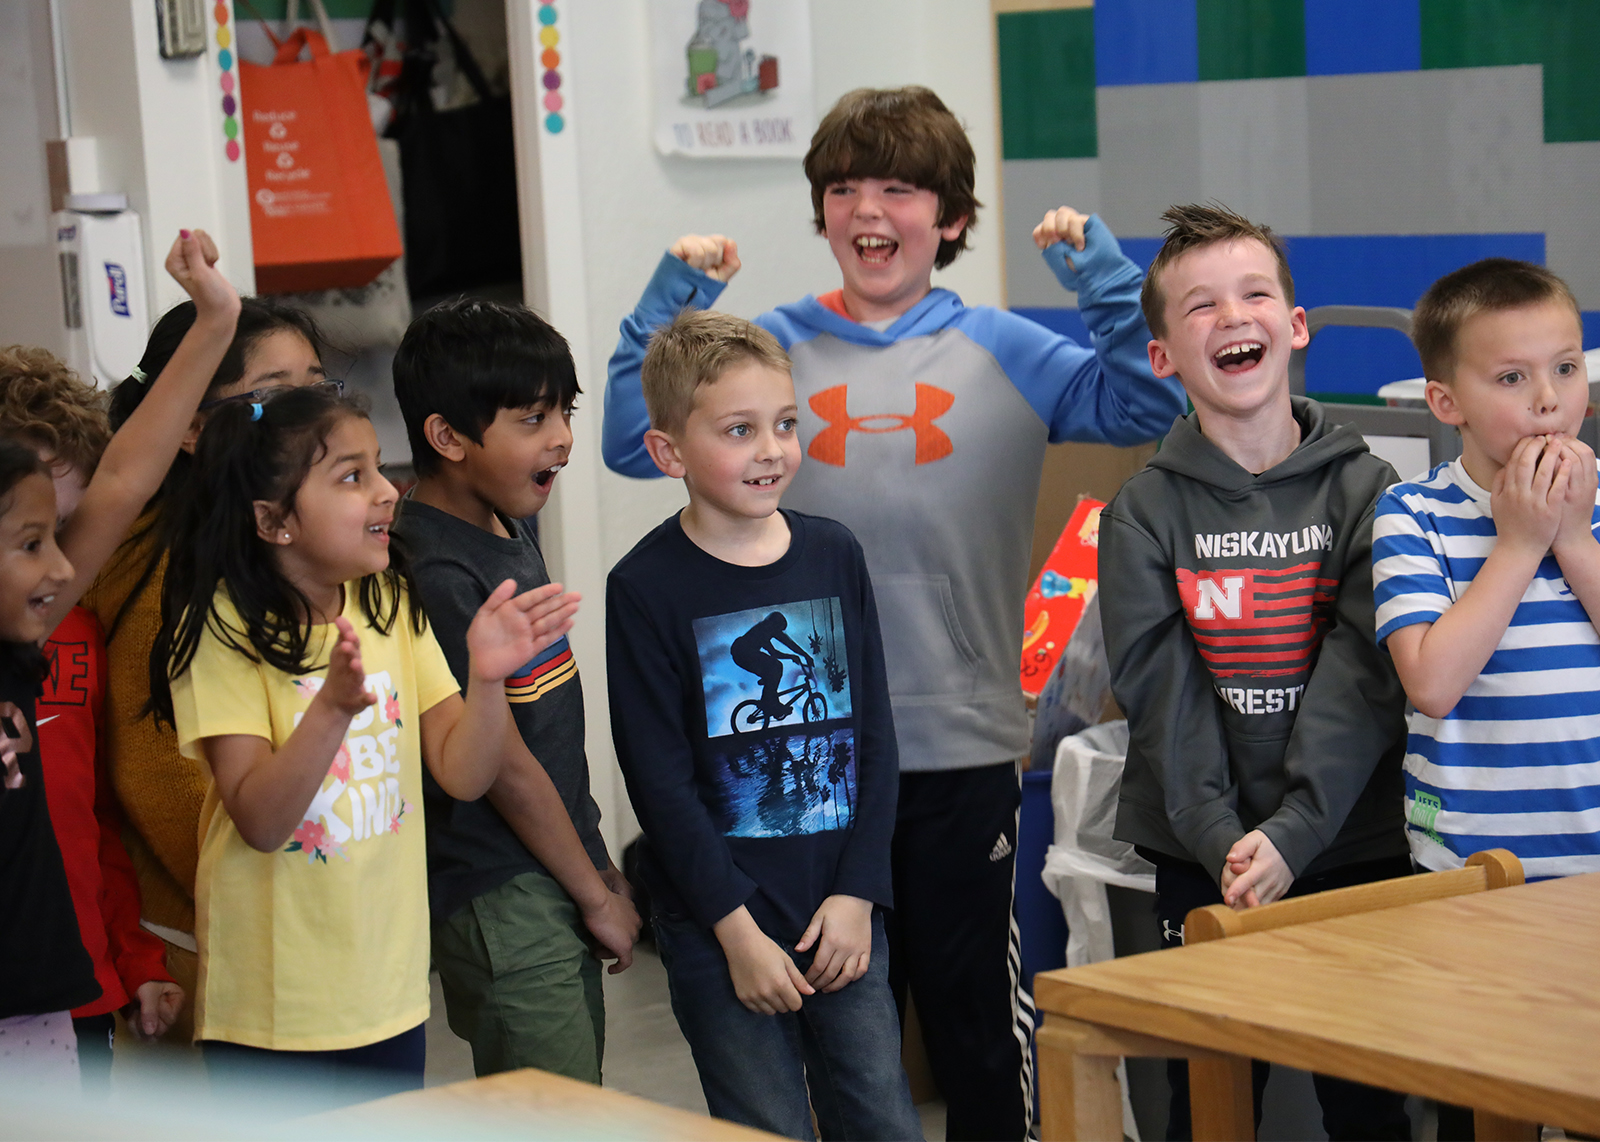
(533, 1092)
(1505, 1098)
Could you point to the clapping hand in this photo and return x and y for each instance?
(345, 685)
(510, 629)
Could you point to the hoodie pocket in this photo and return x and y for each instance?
(926, 652)
(1257, 763)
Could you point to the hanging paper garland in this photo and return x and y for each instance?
(549, 37)
(230, 105)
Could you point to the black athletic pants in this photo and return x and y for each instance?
(1349, 1110)
(952, 941)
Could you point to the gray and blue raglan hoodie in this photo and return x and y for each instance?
(926, 439)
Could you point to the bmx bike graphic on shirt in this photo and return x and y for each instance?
(781, 741)
(756, 714)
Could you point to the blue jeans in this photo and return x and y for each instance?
(756, 1069)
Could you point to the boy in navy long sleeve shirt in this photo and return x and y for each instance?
(750, 708)
(924, 424)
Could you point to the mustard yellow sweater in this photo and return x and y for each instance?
(160, 790)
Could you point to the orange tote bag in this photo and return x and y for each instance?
(319, 207)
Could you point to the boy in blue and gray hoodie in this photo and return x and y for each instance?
(924, 425)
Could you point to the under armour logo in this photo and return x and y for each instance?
(1169, 934)
(832, 406)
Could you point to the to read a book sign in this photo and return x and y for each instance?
(1066, 584)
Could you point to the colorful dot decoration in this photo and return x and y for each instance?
(230, 105)
(549, 37)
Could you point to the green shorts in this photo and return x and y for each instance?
(520, 983)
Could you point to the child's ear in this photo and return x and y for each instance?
(1301, 332)
(1442, 403)
(664, 451)
(443, 439)
(271, 527)
(952, 230)
(1160, 364)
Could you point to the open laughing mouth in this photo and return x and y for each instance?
(763, 482)
(41, 603)
(874, 250)
(544, 477)
(1237, 358)
(380, 530)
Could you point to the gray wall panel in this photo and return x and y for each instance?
(1254, 152)
(1149, 153)
(1427, 152)
(1034, 186)
(1572, 218)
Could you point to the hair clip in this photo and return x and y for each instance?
(138, 374)
(255, 410)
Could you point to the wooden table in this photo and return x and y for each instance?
(1490, 1001)
(526, 1104)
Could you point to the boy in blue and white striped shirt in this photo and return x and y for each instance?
(1487, 576)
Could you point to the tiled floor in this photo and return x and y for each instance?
(645, 1053)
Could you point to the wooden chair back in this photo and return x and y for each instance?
(1492, 868)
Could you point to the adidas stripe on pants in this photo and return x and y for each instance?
(953, 942)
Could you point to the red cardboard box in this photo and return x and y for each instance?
(1067, 582)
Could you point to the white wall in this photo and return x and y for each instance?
(158, 128)
(158, 125)
(608, 205)
(30, 296)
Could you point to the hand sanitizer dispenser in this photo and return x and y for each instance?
(100, 247)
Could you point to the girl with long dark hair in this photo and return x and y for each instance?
(298, 668)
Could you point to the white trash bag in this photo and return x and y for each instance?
(1085, 857)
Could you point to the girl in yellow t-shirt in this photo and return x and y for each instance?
(297, 667)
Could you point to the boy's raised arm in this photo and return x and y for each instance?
(686, 277)
(137, 459)
(1106, 393)
(1158, 676)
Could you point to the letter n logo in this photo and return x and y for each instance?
(832, 405)
(1210, 598)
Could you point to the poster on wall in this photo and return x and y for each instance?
(732, 77)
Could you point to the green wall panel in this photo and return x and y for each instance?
(1482, 33)
(1047, 84)
(1572, 71)
(1251, 39)
(1563, 35)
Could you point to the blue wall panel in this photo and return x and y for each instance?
(1145, 41)
(1346, 37)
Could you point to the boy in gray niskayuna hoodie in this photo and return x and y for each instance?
(1266, 725)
